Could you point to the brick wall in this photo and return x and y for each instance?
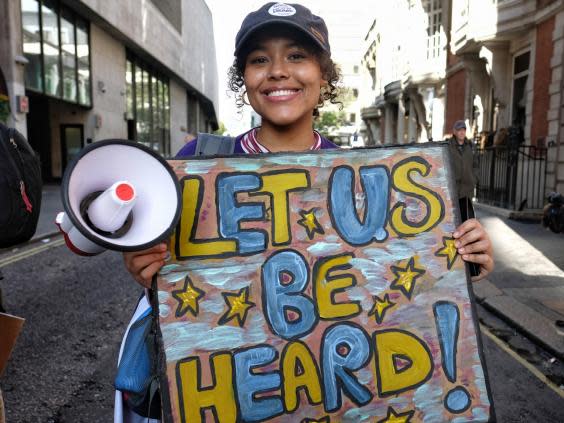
(456, 85)
(543, 76)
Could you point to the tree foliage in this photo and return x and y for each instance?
(329, 121)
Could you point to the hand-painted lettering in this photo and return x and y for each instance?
(403, 182)
(187, 246)
(250, 384)
(342, 204)
(232, 213)
(280, 298)
(279, 185)
(327, 285)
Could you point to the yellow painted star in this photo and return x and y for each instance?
(406, 277)
(238, 305)
(393, 417)
(380, 307)
(449, 251)
(310, 223)
(188, 298)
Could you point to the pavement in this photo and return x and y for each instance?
(526, 289)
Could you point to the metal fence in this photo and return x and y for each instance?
(512, 177)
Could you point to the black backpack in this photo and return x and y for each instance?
(20, 188)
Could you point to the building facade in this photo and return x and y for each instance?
(497, 64)
(79, 71)
(404, 61)
(505, 71)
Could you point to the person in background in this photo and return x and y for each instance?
(283, 66)
(465, 166)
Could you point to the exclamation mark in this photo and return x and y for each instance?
(447, 319)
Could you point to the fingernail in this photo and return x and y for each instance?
(461, 251)
(455, 234)
(456, 244)
(465, 256)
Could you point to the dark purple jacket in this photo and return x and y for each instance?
(190, 148)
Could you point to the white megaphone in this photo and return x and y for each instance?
(118, 195)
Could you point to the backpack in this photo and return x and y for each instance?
(20, 188)
(211, 145)
(137, 375)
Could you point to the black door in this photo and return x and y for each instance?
(72, 141)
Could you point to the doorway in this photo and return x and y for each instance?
(39, 131)
(72, 141)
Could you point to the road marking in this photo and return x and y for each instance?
(32, 251)
(536, 372)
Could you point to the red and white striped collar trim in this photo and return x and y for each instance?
(251, 145)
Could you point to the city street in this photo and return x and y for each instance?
(84, 82)
(77, 308)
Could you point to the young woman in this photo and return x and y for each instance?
(283, 66)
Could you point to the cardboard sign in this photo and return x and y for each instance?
(10, 328)
(319, 287)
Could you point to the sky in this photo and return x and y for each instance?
(348, 21)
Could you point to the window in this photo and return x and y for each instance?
(355, 93)
(434, 24)
(352, 118)
(519, 94)
(68, 51)
(51, 52)
(83, 53)
(171, 10)
(147, 105)
(56, 43)
(32, 44)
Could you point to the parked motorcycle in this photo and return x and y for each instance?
(553, 213)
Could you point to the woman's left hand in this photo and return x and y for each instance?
(474, 245)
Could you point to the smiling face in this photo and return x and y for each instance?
(283, 80)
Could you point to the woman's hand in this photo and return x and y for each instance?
(474, 245)
(143, 265)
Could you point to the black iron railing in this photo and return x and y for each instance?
(512, 177)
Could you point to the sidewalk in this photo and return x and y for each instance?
(51, 205)
(526, 288)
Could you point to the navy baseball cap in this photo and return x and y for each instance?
(459, 124)
(291, 14)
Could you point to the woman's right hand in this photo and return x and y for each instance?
(144, 264)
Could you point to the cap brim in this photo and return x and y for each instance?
(261, 25)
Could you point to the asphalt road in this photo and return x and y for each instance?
(76, 310)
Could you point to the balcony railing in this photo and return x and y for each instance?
(512, 177)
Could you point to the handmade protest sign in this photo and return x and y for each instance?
(318, 287)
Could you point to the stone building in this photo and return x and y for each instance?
(405, 59)
(78, 71)
(498, 64)
(504, 71)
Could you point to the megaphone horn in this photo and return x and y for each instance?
(118, 195)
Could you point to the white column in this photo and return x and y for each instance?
(412, 123)
(388, 135)
(401, 122)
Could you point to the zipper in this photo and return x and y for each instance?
(25, 198)
(23, 193)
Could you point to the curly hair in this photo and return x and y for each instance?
(330, 72)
